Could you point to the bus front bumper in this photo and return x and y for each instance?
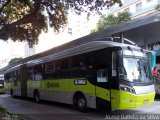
(124, 100)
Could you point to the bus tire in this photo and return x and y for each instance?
(36, 97)
(82, 103)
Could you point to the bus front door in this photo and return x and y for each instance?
(102, 87)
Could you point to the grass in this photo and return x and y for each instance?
(5, 115)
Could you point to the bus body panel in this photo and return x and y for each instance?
(14, 86)
(2, 90)
(62, 90)
(7, 87)
(103, 93)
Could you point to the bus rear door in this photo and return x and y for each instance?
(23, 79)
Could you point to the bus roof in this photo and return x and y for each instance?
(58, 53)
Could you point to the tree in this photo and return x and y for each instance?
(14, 60)
(25, 19)
(111, 20)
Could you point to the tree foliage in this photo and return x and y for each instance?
(111, 20)
(14, 60)
(25, 19)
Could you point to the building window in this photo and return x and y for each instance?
(138, 6)
(70, 31)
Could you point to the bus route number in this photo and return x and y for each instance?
(80, 82)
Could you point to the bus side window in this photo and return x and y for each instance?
(14, 77)
(30, 73)
(6, 77)
(49, 70)
(38, 72)
(77, 66)
(88, 65)
(78, 62)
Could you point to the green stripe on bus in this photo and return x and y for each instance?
(66, 85)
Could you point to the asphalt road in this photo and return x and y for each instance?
(29, 110)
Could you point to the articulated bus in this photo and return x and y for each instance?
(1, 83)
(98, 74)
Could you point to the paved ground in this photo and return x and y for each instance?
(54, 111)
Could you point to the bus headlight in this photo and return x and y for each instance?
(127, 88)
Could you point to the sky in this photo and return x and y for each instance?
(9, 50)
(49, 40)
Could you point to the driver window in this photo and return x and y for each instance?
(102, 73)
(114, 73)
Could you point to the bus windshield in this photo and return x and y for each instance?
(135, 70)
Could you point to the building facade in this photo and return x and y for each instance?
(78, 26)
(29, 51)
(137, 8)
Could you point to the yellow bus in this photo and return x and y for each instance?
(97, 74)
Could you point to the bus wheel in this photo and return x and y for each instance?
(36, 97)
(82, 104)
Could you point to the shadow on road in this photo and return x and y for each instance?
(29, 109)
(70, 107)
